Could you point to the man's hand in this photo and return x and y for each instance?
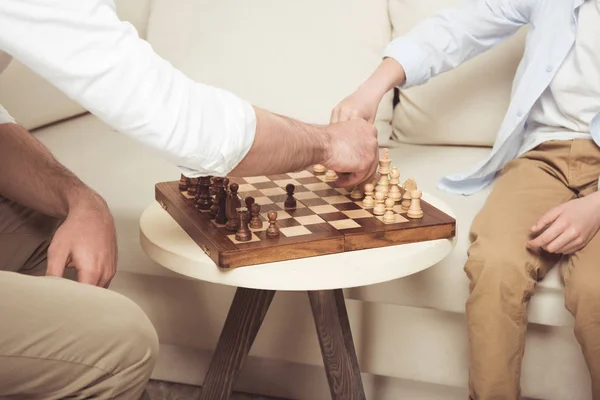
(85, 241)
(570, 226)
(352, 151)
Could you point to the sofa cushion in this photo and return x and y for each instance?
(32, 101)
(295, 58)
(464, 106)
(445, 285)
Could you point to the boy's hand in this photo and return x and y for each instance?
(359, 105)
(569, 226)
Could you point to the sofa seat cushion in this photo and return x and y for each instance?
(295, 58)
(445, 285)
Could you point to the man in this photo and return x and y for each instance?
(548, 162)
(64, 339)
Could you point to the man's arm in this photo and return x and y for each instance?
(82, 48)
(29, 175)
(442, 42)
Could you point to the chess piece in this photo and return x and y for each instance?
(383, 185)
(192, 189)
(184, 183)
(356, 193)
(249, 201)
(330, 176)
(221, 216)
(409, 185)
(318, 168)
(273, 229)
(379, 208)
(394, 192)
(243, 233)
(234, 187)
(215, 183)
(205, 200)
(415, 205)
(232, 206)
(216, 187)
(290, 201)
(389, 217)
(384, 163)
(255, 221)
(368, 201)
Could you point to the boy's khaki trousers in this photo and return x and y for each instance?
(503, 272)
(60, 339)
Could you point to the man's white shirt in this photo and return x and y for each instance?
(456, 35)
(83, 49)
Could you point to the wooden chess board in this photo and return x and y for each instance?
(326, 220)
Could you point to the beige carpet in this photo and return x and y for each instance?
(157, 390)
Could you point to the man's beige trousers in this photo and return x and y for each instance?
(503, 272)
(60, 339)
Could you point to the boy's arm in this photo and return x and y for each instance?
(436, 45)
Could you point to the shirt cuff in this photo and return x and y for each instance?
(411, 56)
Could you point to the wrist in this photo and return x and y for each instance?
(322, 152)
(82, 197)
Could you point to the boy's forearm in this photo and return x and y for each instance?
(282, 145)
(31, 176)
(388, 75)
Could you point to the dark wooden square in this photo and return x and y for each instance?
(347, 206)
(265, 185)
(314, 202)
(306, 181)
(327, 193)
(336, 216)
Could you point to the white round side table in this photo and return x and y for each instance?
(322, 277)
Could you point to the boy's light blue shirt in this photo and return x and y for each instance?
(453, 36)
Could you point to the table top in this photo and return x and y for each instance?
(169, 245)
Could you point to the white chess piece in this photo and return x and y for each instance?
(379, 208)
(383, 185)
(384, 162)
(368, 201)
(356, 193)
(389, 217)
(318, 168)
(330, 176)
(394, 192)
(415, 205)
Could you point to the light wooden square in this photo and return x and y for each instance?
(344, 224)
(264, 227)
(298, 205)
(272, 191)
(398, 208)
(246, 187)
(187, 196)
(310, 220)
(282, 183)
(263, 200)
(301, 174)
(280, 215)
(355, 214)
(305, 196)
(317, 186)
(342, 191)
(254, 239)
(337, 199)
(257, 179)
(324, 209)
(293, 231)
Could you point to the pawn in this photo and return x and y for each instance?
(379, 208)
(255, 221)
(290, 201)
(356, 193)
(415, 205)
(184, 183)
(368, 201)
(318, 168)
(389, 217)
(330, 176)
(273, 229)
(249, 202)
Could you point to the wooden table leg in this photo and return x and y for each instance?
(337, 346)
(244, 319)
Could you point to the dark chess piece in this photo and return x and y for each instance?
(214, 189)
(249, 201)
(221, 202)
(290, 202)
(192, 189)
(232, 206)
(243, 233)
(205, 200)
(273, 229)
(255, 221)
(233, 188)
(184, 183)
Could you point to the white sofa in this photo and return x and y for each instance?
(300, 59)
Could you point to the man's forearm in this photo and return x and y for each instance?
(282, 145)
(31, 176)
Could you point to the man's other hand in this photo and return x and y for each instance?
(352, 151)
(86, 241)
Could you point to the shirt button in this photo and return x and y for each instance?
(519, 113)
(549, 68)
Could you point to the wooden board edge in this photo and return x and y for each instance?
(364, 241)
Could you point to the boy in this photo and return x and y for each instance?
(547, 160)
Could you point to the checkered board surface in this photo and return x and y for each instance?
(325, 220)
